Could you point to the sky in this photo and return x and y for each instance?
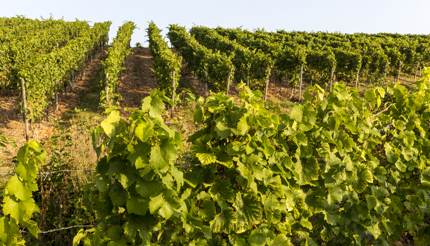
(371, 16)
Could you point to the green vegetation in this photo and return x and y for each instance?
(251, 67)
(19, 206)
(213, 68)
(261, 177)
(46, 74)
(373, 56)
(42, 57)
(167, 65)
(342, 166)
(114, 64)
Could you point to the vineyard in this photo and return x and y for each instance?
(212, 136)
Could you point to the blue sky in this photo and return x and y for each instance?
(401, 16)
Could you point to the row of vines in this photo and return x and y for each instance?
(343, 167)
(215, 69)
(39, 58)
(43, 76)
(167, 65)
(335, 56)
(113, 65)
(23, 39)
(252, 67)
(339, 168)
(295, 57)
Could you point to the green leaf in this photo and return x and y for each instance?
(11, 207)
(296, 113)
(222, 130)
(154, 105)
(114, 232)
(168, 149)
(371, 201)
(281, 240)
(32, 227)
(425, 177)
(390, 154)
(222, 220)
(79, 237)
(306, 224)
(137, 206)
(16, 188)
(117, 195)
(166, 210)
(374, 230)
(144, 130)
(248, 209)
(335, 195)
(124, 180)
(155, 203)
(148, 188)
(257, 238)
(206, 158)
(156, 160)
(20, 211)
(101, 184)
(198, 114)
(207, 210)
(108, 125)
(401, 166)
(242, 125)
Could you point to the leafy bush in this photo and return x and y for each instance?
(341, 168)
(18, 205)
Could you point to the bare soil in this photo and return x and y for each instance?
(138, 78)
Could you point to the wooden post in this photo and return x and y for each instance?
(107, 90)
(398, 72)
(357, 78)
(293, 91)
(266, 91)
(107, 95)
(24, 106)
(73, 80)
(56, 101)
(229, 79)
(301, 82)
(173, 93)
(332, 78)
(206, 83)
(415, 74)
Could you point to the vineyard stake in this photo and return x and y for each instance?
(398, 72)
(332, 78)
(357, 79)
(301, 82)
(107, 90)
(173, 93)
(229, 79)
(206, 89)
(24, 105)
(267, 89)
(56, 101)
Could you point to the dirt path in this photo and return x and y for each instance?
(138, 78)
(82, 96)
